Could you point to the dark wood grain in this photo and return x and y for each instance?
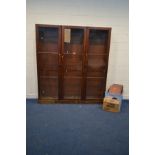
(60, 95)
(49, 87)
(72, 63)
(83, 88)
(74, 71)
(95, 87)
(48, 48)
(72, 87)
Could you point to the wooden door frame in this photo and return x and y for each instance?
(87, 46)
(37, 26)
(61, 63)
(63, 27)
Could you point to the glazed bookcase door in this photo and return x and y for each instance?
(48, 48)
(72, 59)
(97, 62)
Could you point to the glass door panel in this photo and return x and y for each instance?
(48, 87)
(96, 66)
(48, 47)
(96, 63)
(97, 41)
(48, 39)
(95, 87)
(72, 87)
(72, 62)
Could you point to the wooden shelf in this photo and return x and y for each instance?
(72, 68)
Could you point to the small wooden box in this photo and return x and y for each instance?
(111, 104)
